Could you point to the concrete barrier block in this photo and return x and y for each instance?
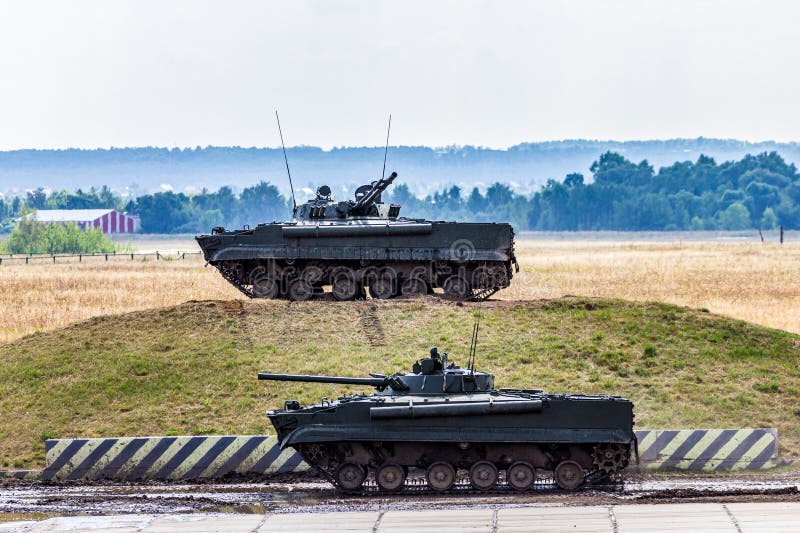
(214, 457)
(708, 449)
(168, 458)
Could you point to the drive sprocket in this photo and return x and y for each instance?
(610, 458)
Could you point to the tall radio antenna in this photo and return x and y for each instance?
(386, 150)
(473, 348)
(286, 160)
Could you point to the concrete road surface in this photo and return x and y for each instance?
(731, 517)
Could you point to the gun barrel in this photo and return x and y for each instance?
(376, 190)
(372, 382)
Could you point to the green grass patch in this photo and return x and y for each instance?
(191, 369)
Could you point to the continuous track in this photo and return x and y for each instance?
(476, 296)
(228, 275)
(417, 485)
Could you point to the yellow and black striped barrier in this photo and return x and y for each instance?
(708, 449)
(180, 458)
(173, 458)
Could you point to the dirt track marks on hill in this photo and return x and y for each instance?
(370, 324)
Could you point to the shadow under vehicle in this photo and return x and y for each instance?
(445, 419)
(361, 244)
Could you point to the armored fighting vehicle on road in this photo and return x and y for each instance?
(358, 244)
(444, 419)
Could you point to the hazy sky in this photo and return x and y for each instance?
(117, 73)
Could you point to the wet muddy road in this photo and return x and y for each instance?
(156, 498)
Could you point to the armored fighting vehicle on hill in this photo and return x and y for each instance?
(357, 244)
(444, 419)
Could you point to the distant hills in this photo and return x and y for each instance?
(525, 166)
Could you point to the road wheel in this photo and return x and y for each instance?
(483, 475)
(265, 287)
(569, 475)
(384, 286)
(456, 287)
(344, 286)
(300, 290)
(441, 476)
(521, 475)
(413, 287)
(482, 278)
(350, 476)
(390, 477)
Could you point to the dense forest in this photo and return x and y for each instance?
(757, 191)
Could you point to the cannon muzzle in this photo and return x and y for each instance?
(372, 382)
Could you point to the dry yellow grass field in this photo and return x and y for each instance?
(751, 281)
(756, 282)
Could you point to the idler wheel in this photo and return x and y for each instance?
(350, 476)
(569, 475)
(413, 287)
(344, 286)
(390, 476)
(456, 287)
(234, 269)
(483, 475)
(441, 476)
(300, 290)
(265, 287)
(521, 475)
(499, 277)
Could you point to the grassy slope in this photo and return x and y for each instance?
(191, 369)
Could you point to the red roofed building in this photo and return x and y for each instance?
(108, 220)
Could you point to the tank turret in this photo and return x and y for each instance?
(428, 375)
(367, 203)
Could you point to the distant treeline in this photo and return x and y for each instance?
(760, 191)
(425, 169)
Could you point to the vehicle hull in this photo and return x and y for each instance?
(404, 257)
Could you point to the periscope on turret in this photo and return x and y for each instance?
(361, 245)
(443, 419)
